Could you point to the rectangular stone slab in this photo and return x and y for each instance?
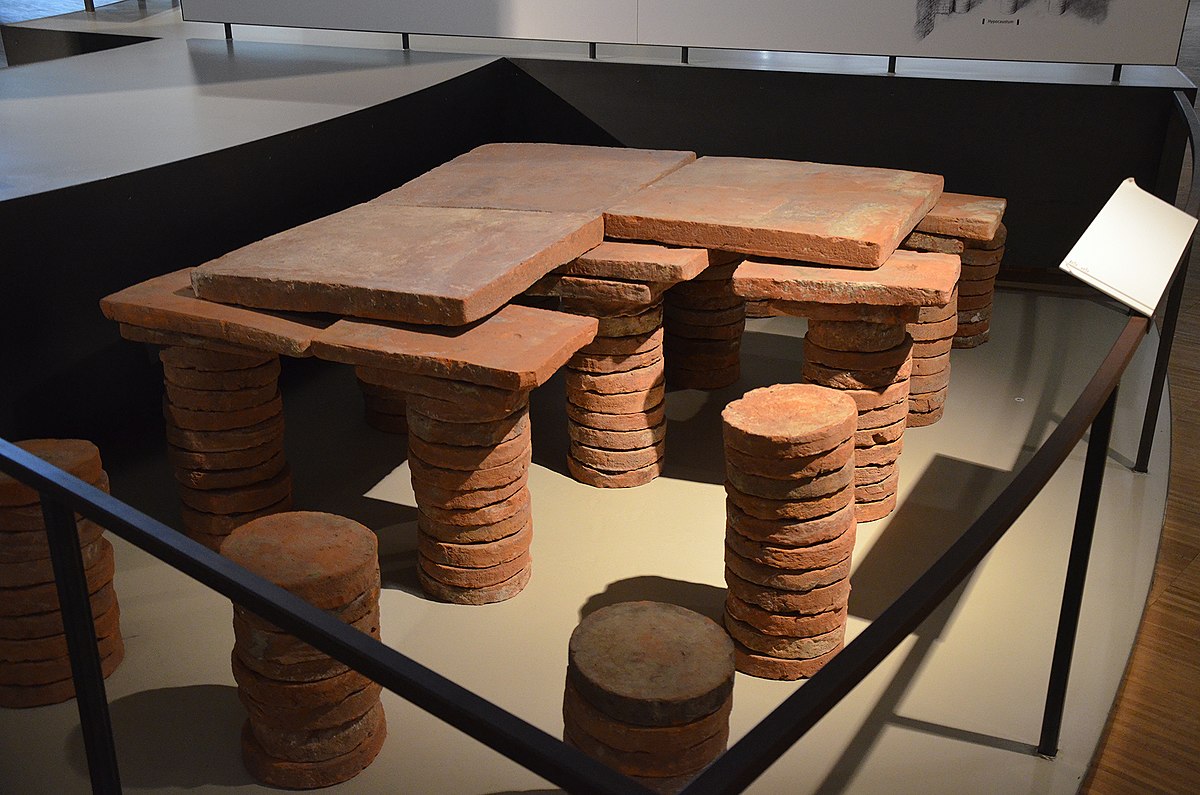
(546, 177)
(167, 304)
(432, 265)
(517, 348)
(610, 291)
(908, 278)
(643, 262)
(837, 215)
(963, 216)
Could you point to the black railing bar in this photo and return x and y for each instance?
(1174, 299)
(83, 651)
(1191, 204)
(495, 727)
(786, 724)
(1077, 566)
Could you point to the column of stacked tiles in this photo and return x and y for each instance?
(225, 438)
(469, 452)
(616, 416)
(929, 384)
(704, 321)
(790, 529)
(973, 226)
(649, 692)
(871, 362)
(312, 721)
(383, 407)
(34, 667)
(933, 337)
(858, 342)
(976, 289)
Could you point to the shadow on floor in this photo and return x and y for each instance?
(707, 600)
(152, 726)
(944, 500)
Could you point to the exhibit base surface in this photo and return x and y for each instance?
(957, 707)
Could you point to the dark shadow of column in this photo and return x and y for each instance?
(151, 728)
(707, 600)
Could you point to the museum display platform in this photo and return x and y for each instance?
(962, 697)
(147, 158)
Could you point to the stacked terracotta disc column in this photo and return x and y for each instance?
(34, 667)
(977, 288)
(976, 282)
(973, 228)
(616, 417)
(383, 407)
(649, 692)
(928, 386)
(469, 453)
(790, 527)
(313, 722)
(704, 324)
(871, 362)
(225, 438)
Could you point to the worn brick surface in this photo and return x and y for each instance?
(557, 178)
(964, 216)
(426, 265)
(844, 215)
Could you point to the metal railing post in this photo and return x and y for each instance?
(1077, 565)
(1162, 361)
(95, 723)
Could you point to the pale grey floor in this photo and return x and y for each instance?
(963, 693)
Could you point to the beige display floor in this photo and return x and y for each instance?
(956, 708)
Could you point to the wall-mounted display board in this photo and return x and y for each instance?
(1068, 31)
(1071, 31)
(608, 21)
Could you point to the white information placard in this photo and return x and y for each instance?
(1132, 247)
(1063, 31)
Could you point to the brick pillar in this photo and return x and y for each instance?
(225, 438)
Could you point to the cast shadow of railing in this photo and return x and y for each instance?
(946, 498)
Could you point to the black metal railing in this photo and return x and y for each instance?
(1174, 300)
(63, 496)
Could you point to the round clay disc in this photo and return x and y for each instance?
(763, 666)
(200, 359)
(974, 341)
(320, 744)
(784, 646)
(785, 532)
(790, 468)
(322, 558)
(873, 511)
(795, 625)
(814, 600)
(77, 457)
(652, 739)
(473, 434)
(600, 479)
(704, 379)
(788, 420)
(632, 421)
(475, 596)
(650, 663)
(309, 775)
(814, 556)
